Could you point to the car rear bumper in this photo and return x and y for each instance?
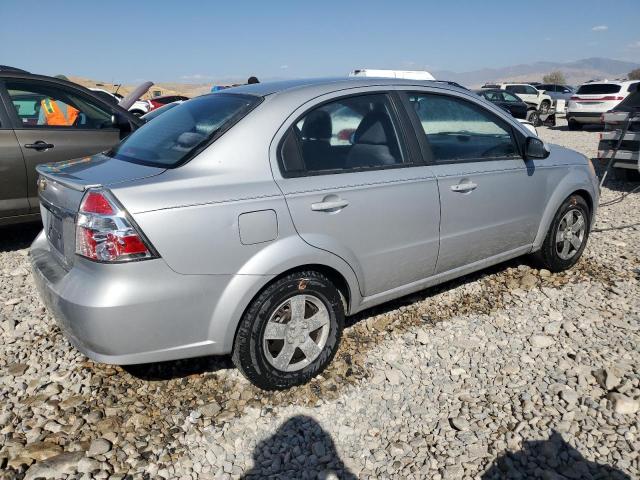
(138, 312)
(584, 117)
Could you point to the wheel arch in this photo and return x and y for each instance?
(572, 184)
(244, 287)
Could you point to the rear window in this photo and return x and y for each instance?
(178, 134)
(598, 89)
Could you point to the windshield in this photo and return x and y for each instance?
(598, 88)
(173, 137)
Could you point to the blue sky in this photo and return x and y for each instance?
(202, 41)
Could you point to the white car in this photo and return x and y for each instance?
(139, 108)
(593, 99)
(528, 94)
(407, 74)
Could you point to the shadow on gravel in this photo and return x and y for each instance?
(300, 448)
(552, 459)
(179, 368)
(17, 237)
(585, 128)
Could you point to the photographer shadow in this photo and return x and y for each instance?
(299, 449)
(552, 459)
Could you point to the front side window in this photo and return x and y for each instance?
(458, 130)
(510, 98)
(530, 90)
(172, 137)
(348, 134)
(44, 105)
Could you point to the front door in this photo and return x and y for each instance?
(491, 199)
(353, 189)
(55, 122)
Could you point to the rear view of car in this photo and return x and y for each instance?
(158, 102)
(593, 99)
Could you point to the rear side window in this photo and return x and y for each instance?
(171, 138)
(598, 89)
(515, 88)
(458, 130)
(344, 135)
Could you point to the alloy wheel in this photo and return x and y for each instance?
(296, 332)
(570, 234)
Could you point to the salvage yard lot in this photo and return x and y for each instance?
(509, 373)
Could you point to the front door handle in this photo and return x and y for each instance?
(39, 145)
(464, 187)
(330, 205)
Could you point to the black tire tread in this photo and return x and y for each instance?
(547, 256)
(244, 358)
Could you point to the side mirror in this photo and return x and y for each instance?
(122, 123)
(535, 149)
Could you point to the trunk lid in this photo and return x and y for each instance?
(61, 187)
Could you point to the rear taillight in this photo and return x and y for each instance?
(105, 233)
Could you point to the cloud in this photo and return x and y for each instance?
(600, 28)
(196, 76)
(635, 44)
(284, 67)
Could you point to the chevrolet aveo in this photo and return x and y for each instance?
(253, 220)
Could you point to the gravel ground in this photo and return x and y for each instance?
(509, 373)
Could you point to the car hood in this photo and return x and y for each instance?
(97, 170)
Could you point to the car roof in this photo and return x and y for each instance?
(326, 85)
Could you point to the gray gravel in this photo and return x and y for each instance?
(510, 373)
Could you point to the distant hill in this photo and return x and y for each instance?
(575, 72)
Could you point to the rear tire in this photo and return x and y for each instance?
(567, 236)
(290, 332)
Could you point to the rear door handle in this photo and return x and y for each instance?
(329, 205)
(464, 187)
(39, 145)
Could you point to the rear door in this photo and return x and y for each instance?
(491, 199)
(86, 129)
(13, 176)
(355, 187)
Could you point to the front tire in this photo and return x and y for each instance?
(544, 107)
(534, 118)
(567, 235)
(290, 332)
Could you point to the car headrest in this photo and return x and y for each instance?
(317, 126)
(374, 129)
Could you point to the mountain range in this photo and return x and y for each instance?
(575, 72)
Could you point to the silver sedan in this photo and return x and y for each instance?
(252, 221)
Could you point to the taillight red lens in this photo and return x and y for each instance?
(104, 231)
(95, 202)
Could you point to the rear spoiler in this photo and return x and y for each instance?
(54, 173)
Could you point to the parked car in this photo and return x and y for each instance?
(507, 101)
(560, 93)
(28, 137)
(159, 111)
(592, 99)
(528, 94)
(526, 114)
(260, 248)
(408, 74)
(138, 109)
(157, 102)
(625, 117)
